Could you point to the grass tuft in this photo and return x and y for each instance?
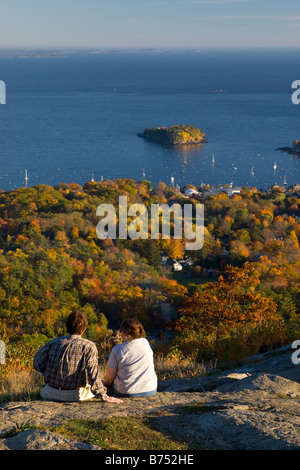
(119, 433)
(20, 385)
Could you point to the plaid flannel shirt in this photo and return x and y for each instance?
(70, 362)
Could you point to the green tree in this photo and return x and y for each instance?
(149, 250)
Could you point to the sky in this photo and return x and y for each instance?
(149, 23)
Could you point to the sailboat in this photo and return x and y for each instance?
(26, 178)
(275, 166)
(213, 159)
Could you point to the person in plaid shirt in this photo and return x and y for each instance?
(69, 365)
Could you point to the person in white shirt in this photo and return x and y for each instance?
(130, 367)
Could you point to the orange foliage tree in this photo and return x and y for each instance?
(230, 308)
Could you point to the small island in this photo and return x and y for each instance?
(295, 150)
(174, 135)
(297, 145)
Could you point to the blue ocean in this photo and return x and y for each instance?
(76, 117)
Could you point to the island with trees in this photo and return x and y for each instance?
(294, 150)
(174, 135)
(297, 145)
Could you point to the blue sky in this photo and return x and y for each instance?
(149, 23)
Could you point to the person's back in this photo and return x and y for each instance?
(65, 361)
(130, 367)
(69, 365)
(135, 369)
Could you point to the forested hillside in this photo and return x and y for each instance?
(242, 287)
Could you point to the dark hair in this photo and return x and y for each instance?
(133, 328)
(76, 322)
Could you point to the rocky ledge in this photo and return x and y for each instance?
(253, 407)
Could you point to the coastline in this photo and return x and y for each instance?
(289, 150)
(172, 144)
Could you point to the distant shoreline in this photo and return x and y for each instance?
(50, 51)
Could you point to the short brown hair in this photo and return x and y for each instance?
(76, 322)
(133, 328)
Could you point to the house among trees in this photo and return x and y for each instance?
(230, 191)
(174, 265)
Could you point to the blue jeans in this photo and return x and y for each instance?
(132, 395)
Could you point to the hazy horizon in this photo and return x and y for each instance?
(154, 24)
(100, 49)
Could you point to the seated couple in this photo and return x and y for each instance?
(70, 368)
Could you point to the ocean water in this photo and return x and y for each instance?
(77, 117)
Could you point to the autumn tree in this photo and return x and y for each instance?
(224, 308)
(176, 249)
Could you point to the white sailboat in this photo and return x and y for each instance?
(26, 178)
